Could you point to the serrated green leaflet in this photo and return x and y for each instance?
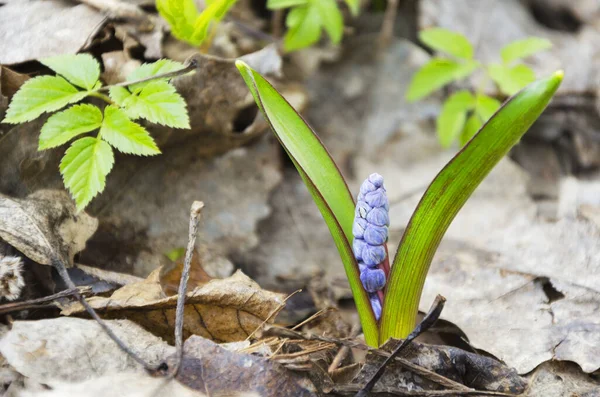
(447, 41)
(84, 168)
(152, 69)
(332, 19)
(452, 119)
(81, 69)
(40, 95)
(437, 73)
(445, 197)
(304, 28)
(119, 95)
(524, 48)
(511, 79)
(125, 135)
(64, 126)
(472, 125)
(159, 103)
(322, 178)
(486, 106)
(181, 16)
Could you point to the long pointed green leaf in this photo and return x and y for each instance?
(321, 176)
(445, 197)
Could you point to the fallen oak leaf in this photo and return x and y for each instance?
(223, 310)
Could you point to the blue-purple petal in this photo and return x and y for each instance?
(371, 255)
(367, 187)
(379, 217)
(362, 209)
(376, 180)
(358, 227)
(376, 305)
(378, 198)
(375, 235)
(358, 246)
(373, 279)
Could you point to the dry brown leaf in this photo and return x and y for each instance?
(32, 30)
(210, 368)
(224, 310)
(45, 223)
(74, 349)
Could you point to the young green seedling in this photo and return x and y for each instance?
(441, 202)
(90, 159)
(187, 23)
(465, 111)
(307, 18)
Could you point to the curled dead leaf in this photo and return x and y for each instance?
(224, 310)
(45, 224)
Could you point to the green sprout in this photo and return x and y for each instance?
(90, 159)
(465, 111)
(308, 18)
(187, 23)
(441, 202)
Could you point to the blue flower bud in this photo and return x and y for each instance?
(358, 227)
(362, 209)
(376, 305)
(372, 255)
(377, 198)
(375, 235)
(367, 187)
(358, 246)
(376, 180)
(373, 279)
(362, 267)
(378, 217)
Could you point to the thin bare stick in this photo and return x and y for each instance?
(35, 303)
(277, 23)
(430, 318)
(273, 313)
(386, 391)
(60, 267)
(343, 352)
(389, 20)
(190, 65)
(108, 276)
(312, 318)
(185, 276)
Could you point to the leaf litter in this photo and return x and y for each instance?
(559, 302)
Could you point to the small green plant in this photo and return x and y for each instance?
(187, 23)
(89, 159)
(397, 304)
(465, 111)
(307, 18)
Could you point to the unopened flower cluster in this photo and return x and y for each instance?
(370, 230)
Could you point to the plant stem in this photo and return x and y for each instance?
(105, 98)
(189, 66)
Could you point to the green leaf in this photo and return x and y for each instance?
(445, 197)
(81, 69)
(215, 11)
(322, 178)
(472, 125)
(524, 48)
(486, 106)
(354, 6)
(332, 19)
(125, 135)
(152, 69)
(181, 16)
(452, 118)
(437, 73)
(447, 41)
(159, 103)
(511, 79)
(40, 95)
(119, 95)
(64, 126)
(279, 4)
(84, 168)
(304, 28)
